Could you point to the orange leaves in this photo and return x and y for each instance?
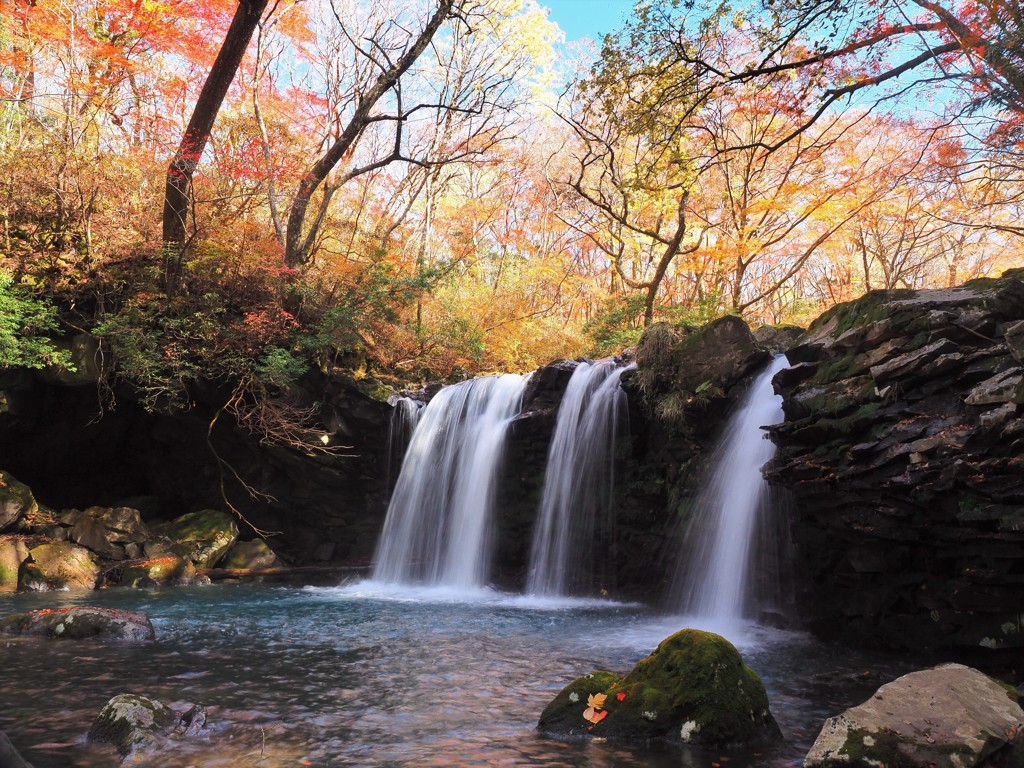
(595, 703)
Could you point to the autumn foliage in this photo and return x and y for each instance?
(493, 206)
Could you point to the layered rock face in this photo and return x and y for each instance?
(904, 447)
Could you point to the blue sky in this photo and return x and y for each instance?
(588, 18)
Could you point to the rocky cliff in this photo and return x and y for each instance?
(904, 448)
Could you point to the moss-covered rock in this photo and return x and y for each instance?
(16, 501)
(79, 622)
(693, 689)
(204, 537)
(13, 552)
(172, 570)
(137, 725)
(249, 555)
(950, 716)
(58, 565)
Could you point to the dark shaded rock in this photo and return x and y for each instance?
(9, 757)
(950, 716)
(84, 351)
(694, 689)
(139, 726)
(250, 554)
(204, 537)
(902, 450)
(106, 530)
(58, 565)
(778, 338)
(171, 570)
(16, 501)
(79, 622)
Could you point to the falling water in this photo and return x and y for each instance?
(713, 583)
(437, 527)
(578, 482)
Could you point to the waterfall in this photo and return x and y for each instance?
(714, 581)
(437, 527)
(575, 506)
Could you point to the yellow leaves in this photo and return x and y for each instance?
(595, 703)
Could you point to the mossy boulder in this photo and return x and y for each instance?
(251, 555)
(693, 689)
(16, 501)
(58, 565)
(13, 552)
(172, 570)
(950, 716)
(203, 537)
(137, 725)
(79, 622)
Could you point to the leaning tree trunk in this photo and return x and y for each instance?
(178, 194)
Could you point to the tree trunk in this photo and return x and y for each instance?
(178, 194)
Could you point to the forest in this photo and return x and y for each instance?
(434, 189)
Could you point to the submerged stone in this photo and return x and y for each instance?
(950, 716)
(137, 726)
(693, 689)
(79, 622)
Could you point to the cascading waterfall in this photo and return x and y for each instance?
(714, 581)
(578, 482)
(438, 523)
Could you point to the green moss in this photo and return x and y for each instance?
(869, 308)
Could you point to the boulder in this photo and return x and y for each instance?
(693, 689)
(13, 552)
(58, 565)
(9, 757)
(203, 537)
(950, 716)
(250, 555)
(79, 622)
(157, 572)
(107, 531)
(137, 725)
(16, 501)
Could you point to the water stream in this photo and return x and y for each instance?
(437, 529)
(575, 508)
(715, 583)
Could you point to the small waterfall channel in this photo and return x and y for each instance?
(437, 529)
(714, 583)
(575, 507)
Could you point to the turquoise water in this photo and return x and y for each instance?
(365, 676)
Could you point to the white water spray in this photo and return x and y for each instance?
(437, 528)
(714, 583)
(578, 482)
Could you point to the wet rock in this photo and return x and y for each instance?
(79, 622)
(951, 716)
(58, 565)
(16, 501)
(693, 689)
(171, 570)
(253, 554)
(204, 537)
(13, 552)
(9, 757)
(140, 727)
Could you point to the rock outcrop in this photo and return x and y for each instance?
(79, 622)
(904, 448)
(693, 689)
(951, 716)
(16, 501)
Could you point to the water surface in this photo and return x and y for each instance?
(371, 676)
